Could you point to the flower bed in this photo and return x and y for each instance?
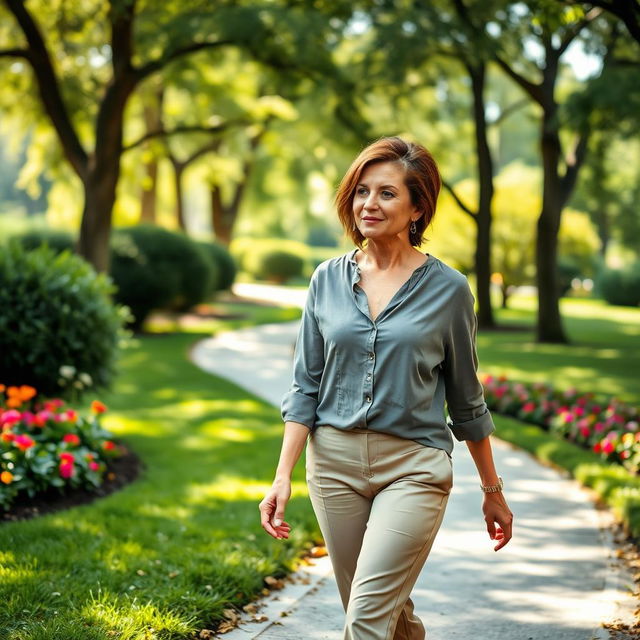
(44, 443)
(610, 429)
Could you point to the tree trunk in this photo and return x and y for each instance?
(221, 221)
(483, 216)
(149, 192)
(549, 326)
(95, 229)
(178, 170)
(504, 290)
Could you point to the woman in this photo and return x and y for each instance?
(387, 335)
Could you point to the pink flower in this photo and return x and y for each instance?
(67, 458)
(66, 469)
(10, 417)
(579, 411)
(94, 466)
(598, 427)
(71, 438)
(584, 431)
(52, 405)
(23, 442)
(607, 446)
(529, 406)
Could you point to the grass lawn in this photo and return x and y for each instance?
(603, 357)
(161, 558)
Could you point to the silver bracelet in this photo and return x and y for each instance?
(493, 488)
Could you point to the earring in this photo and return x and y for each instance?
(412, 228)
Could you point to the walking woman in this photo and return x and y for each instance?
(387, 336)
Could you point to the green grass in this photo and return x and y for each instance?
(603, 357)
(164, 556)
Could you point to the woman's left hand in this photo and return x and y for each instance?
(496, 512)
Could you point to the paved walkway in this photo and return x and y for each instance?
(556, 580)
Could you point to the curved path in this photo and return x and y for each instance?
(555, 580)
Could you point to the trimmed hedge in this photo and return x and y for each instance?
(157, 269)
(59, 329)
(59, 241)
(224, 264)
(621, 286)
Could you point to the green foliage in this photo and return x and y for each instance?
(156, 269)
(275, 259)
(59, 241)
(46, 445)
(567, 271)
(224, 265)
(621, 286)
(56, 312)
(244, 249)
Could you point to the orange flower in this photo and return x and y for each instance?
(2, 388)
(6, 477)
(18, 395)
(7, 436)
(108, 445)
(98, 407)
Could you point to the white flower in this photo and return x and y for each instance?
(86, 379)
(67, 371)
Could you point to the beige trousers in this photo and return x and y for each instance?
(379, 501)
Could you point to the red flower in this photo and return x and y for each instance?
(66, 469)
(529, 406)
(98, 407)
(8, 436)
(23, 442)
(607, 446)
(94, 466)
(597, 447)
(108, 445)
(67, 458)
(71, 438)
(52, 405)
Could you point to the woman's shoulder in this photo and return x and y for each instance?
(452, 275)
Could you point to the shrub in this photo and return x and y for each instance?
(44, 444)
(621, 286)
(224, 262)
(59, 241)
(567, 271)
(59, 329)
(156, 269)
(246, 251)
(275, 264)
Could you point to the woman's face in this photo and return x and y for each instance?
(382, 205)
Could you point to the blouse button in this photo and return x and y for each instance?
(368, 398)
(371, 356)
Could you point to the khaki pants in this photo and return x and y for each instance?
(379, 501)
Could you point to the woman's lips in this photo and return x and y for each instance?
(372, 219)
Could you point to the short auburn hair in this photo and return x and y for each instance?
(422, 178)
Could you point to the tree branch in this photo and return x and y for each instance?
(15, 53)
(156, 65)
(573, 32)
(508, 110)
(165, 133)
(49, 87)
(459, 202)
(534, 90)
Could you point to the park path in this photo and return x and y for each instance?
(556, 580)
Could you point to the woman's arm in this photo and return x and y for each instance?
(494, 505)
(273, 505)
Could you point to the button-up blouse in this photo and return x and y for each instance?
(393, 374)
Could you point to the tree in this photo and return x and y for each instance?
(122, 40)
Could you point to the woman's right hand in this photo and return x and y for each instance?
(272, 509)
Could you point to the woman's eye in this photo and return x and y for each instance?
(361, 191)
(387, 194)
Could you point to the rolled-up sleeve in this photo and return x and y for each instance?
(299, 404)
(469, 418)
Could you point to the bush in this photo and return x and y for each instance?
(45, 444)
(59, 329)
(275, 264)
(156, 269)
(567, 271)
(59, 241)
(225, 264)
(621, 286)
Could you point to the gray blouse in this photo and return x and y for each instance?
(392, 375)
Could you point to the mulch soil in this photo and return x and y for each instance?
(120, 472)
